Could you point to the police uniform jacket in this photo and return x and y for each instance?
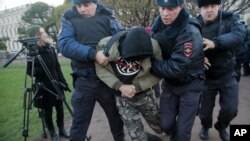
(79, 36)
(227, 33)
(182, 50)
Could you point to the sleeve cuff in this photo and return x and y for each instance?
(137, 88)
(118, 85)
(93, 54)
(215, 43)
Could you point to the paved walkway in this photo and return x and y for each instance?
(99, 128)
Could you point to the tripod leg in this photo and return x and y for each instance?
(60, 94)
(26, 107)
(66, 104)
(27, 99)
(25, 130)
(54, 83)
(41, 115)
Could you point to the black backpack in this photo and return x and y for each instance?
(113, 39)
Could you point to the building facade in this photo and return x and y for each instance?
(247, 16)
(10, 20)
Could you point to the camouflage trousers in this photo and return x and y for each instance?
(130, 110)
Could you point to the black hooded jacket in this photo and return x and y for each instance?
(49, 57)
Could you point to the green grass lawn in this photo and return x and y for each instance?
(11, 103)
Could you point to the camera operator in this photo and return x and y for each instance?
(45, 99)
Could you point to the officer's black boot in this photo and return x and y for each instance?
(63, 133)
(54, 136)
(222, 132)
(204, 134)
(173, 136)
(167, 133)
(152, 137)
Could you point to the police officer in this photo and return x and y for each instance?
(222, 31)
(82, 27)
(182, 68)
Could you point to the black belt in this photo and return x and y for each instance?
(83, 64)
(180, 81)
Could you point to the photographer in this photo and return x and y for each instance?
(46, 96)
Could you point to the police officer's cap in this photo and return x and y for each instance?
(169, 3)
(202, 3)
(83, 1)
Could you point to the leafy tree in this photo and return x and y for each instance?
(41, 14)
(236, 6)
(248, 21)
(133, 12)
(142, 12)
(22, 32)
(60, 10)
(2, 46)
(37, 14)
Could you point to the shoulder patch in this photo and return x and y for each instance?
(188, 49)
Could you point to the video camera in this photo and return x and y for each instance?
(30, 44)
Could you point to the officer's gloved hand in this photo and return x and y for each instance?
(65, 86)
(67, 89)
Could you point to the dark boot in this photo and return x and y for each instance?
(222, 132)
(54, 136)
(173, 136)
(204, 134)
(152, 137)
(63, 133)
(168, 133)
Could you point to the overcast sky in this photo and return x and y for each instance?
(14, 3)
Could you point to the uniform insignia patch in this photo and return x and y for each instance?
(188, 49)
(127, 67)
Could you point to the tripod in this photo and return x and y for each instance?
(31, 89)
(30, 93)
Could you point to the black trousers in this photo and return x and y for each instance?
(48, 111)
(178, 112)
(228, 91)
(86, 93)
